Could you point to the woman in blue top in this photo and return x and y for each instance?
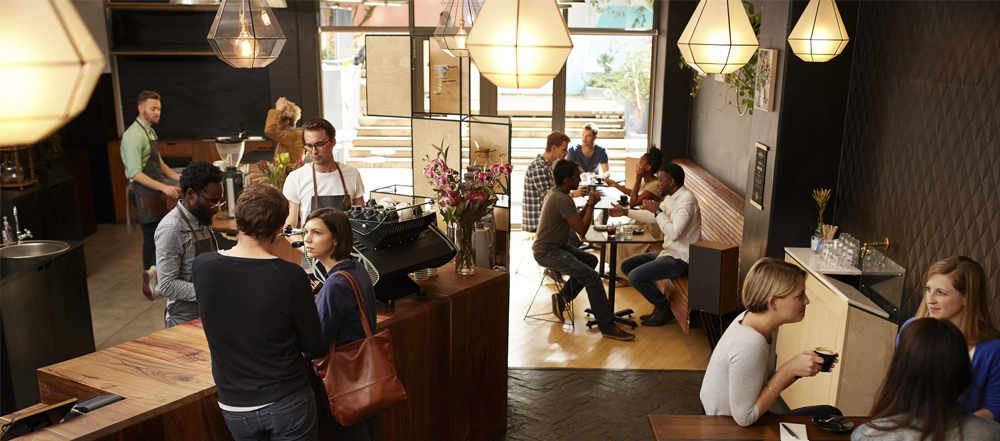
(956, 291)
(329, 239)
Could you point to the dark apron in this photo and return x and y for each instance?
(342, 202)
(182, 311)
(151, 204)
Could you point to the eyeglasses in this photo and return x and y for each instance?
(214, 203)
(317, 146)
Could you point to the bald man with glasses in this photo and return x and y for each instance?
(323, 182)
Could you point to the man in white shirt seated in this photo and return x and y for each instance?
(679, 217)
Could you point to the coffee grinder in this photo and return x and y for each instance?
(231, 151)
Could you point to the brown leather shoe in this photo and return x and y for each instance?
(658, 318)
(621, 283)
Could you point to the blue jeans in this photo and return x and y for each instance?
(579, 266)
(643, 270)
(290, 418)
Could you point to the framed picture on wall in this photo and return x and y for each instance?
(764, 86)
(759, 173)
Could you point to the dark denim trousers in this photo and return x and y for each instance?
(643, 270)
(290, 418)
(579, 267)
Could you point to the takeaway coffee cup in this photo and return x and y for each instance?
(828, 355)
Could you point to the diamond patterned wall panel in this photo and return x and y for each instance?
(921, 158)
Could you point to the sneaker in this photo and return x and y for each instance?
(558, 306)
(659, 318)
(619, 334)
(149, 285)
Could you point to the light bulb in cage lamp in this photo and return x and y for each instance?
(245, 34)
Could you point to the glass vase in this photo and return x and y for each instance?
(465, 258)
(816, 241)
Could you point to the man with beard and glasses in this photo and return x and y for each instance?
(184, 233)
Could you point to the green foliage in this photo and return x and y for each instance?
(627, 77)
(640, 19)
(744, 79)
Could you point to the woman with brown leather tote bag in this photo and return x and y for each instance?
(358, 372)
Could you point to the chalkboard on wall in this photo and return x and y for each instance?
(759, 170)
(201, 95)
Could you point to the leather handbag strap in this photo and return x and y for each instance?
(361, 305)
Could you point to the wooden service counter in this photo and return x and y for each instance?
(838, 317)
(450, 347)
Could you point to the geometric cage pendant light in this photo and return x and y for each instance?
(454, 25)
(719, 37)
(819, 35)
(245, 34)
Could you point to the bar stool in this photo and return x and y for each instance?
(543, 316)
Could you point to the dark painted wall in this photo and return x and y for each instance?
(921, 161)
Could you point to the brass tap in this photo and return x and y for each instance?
(884, 243)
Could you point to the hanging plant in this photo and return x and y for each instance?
(742, 80)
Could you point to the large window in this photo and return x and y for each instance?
(607, 82)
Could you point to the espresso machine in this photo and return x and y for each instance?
(231, 151)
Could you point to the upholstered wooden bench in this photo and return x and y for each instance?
(721, 221)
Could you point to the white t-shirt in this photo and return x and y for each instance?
(299, 186)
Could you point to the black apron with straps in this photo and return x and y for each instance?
(340, 201)
(151, 204)
(181, 311)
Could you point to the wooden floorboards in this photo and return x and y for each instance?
(536, 343)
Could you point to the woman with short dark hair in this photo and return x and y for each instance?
(919, 398)
(329, 239)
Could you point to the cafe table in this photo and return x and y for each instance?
(601, 238)
(716, 427)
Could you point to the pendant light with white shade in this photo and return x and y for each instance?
(819, 35)
(719, 37)
(48, 68)
(519, 43)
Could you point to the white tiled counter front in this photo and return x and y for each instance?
(841, 318)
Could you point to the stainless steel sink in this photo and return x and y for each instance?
(33, 248)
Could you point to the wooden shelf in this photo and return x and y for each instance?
(160, 52)
(157, 6)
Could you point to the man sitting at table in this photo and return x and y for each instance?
(538, 181)
(551, 249)
(679, 219)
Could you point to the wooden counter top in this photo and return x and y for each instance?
(450, 347)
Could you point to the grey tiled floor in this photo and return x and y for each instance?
(114, 279)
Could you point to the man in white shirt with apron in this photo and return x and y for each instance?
(322, 183)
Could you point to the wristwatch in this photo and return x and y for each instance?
(657, 212)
